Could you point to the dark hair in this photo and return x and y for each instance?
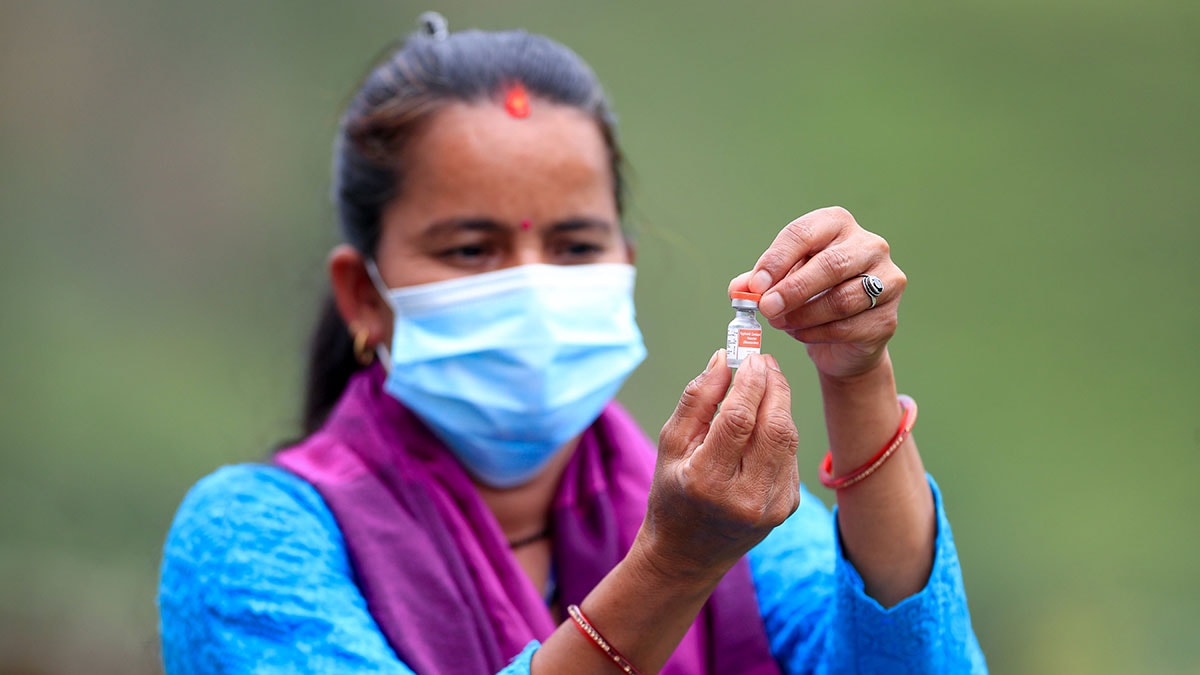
(430, 70)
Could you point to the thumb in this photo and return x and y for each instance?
(740, 283)
(689, 424)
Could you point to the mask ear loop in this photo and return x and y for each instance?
(381, 350)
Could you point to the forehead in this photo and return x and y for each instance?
(477, 156)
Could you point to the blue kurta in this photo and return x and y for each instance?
(256, 578)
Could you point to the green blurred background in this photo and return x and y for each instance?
(1035, 165)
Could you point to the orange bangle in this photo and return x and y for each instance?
(597, 639)
(909, 407)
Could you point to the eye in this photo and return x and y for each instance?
(576, 251)
(478, 254)
(470, 251)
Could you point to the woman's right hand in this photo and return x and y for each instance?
(723, 480)
(722, 483)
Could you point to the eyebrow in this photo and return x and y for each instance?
(450, 225)
(581, 223)
(483, 224)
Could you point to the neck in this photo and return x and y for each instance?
(524, 510)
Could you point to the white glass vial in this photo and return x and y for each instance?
(744, 336)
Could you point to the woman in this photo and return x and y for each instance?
(474, 500)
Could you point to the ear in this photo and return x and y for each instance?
(630, 250)
(358, 301)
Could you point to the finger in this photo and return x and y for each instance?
(771, 462)
(775, 431)
(723, 447)
(808, 233)
(844, 301)
(687, 426)
(740, 283)
(866, 329)
(825, 270)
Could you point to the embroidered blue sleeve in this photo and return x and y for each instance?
(255, 578)
(819, 618)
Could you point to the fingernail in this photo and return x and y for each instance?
(760, 282)
(771, 304)
(716, 358)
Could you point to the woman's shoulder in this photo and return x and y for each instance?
(247, 485)
(247, 538)
(255, 576)
(250, 507)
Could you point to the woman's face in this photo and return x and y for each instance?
(484, 190)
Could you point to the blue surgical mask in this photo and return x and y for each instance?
(507, 366)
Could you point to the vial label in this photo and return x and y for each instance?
(749, 342)
(740, 343)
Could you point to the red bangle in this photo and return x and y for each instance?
(597, 639)
(909, 407)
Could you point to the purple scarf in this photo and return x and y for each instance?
(435, 569)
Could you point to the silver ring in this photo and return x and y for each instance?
(873, 285)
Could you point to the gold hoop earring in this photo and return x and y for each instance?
(363, 353)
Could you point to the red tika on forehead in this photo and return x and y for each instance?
(516, 101)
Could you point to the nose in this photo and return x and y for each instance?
(528, 248)
(529, 258)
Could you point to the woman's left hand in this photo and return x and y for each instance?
(811, 288)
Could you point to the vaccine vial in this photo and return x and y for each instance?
(744, 336)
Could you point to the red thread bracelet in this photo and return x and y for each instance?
(872, 465)
(597, 639)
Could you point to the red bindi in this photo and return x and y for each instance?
(525, 224)
(516, 101)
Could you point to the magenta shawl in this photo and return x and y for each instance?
(435, 569)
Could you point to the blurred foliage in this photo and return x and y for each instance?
(1035, 165)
